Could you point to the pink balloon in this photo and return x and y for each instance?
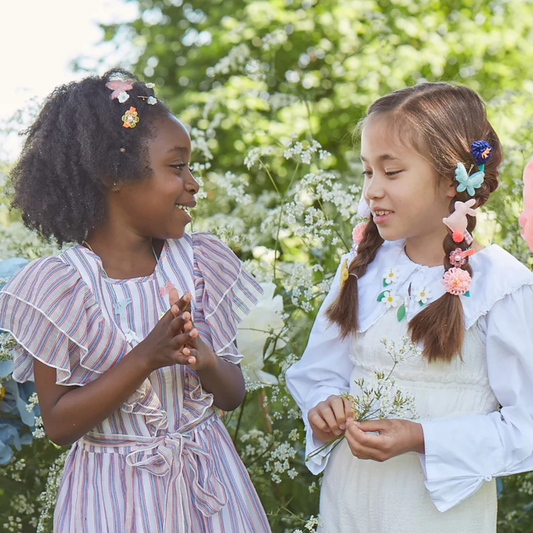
(526, 216)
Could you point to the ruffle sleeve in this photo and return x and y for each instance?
(54, 317)
(462, 453)
(224, 294)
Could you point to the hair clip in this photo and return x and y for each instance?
(130, 118)
(120, 89)
(457, 221)
(457, 281)
(458, 257)
(359, 232)
(468, 182)
(481, 152)
(150, 100)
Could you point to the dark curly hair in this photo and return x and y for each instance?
(76, 149)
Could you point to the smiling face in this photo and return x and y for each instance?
(157, 206)
(407, 199)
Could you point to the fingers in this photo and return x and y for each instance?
(366, 445)
(324, 415)
(181, 323)
(185, 339)
(173, 296)
(181, 304)
(342, 409)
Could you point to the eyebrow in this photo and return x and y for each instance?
(179, 149)
(383, 157)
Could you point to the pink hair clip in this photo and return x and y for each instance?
(458, 256)
(358, 232)
(119, 89)
(457, 221)
(457, 281)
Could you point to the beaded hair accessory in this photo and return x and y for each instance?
(120, 90)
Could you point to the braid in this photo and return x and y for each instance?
(344, 311)
(440, 326)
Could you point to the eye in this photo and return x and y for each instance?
(180, 166)
(394, 173)
(367, 173)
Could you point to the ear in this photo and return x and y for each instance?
(451, 189)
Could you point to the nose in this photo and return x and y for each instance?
(191, 185)
(373, 189)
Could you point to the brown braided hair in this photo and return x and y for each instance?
(440, 121)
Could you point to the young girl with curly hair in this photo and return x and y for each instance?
(430, 159)
(126, 370)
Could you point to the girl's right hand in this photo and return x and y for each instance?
(328, 419)
(164, 345)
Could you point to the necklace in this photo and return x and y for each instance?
(120, 304)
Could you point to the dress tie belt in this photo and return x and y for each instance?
(169, 454)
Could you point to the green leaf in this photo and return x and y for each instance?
(385, 284)
(467, 293)
(421, 303)
(401, 313)
(381, 295)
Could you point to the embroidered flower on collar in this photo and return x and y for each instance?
(391, 299)
(391, 276)
(422, 295)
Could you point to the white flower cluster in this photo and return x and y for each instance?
(235, 187)
(7, 343)
(274, 39)
(234, 61)
(278, 462)
(297, 150)
(405, 350)
(310, 526)
(254, 155)
(49, 496)
(301, 286)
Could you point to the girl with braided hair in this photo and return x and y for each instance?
(130, 333)
(430, 158)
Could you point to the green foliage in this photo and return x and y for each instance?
(265, 85)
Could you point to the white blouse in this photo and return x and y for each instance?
(460, 453)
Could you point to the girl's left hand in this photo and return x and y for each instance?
(395, 437)
(200, 356)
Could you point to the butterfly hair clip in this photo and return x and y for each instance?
(481, 152)
(468, 182)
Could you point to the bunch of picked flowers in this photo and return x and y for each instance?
(380, 397)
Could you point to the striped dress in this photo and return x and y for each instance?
(163, 462)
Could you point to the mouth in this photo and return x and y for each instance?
(381, 215)
(185, 208)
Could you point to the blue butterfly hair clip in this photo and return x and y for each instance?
(481, 152)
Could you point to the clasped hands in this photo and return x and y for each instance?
(175, 340)
(378, 440)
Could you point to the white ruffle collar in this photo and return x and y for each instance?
(496, 273)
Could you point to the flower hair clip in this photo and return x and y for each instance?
(120, 89)
(458, 257)
(481, 152)
(130, 118)
(457, 281)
